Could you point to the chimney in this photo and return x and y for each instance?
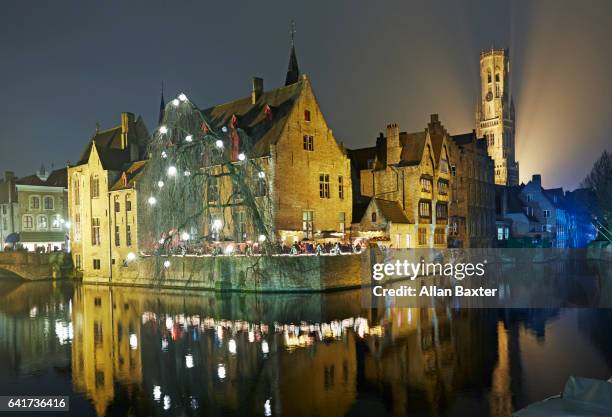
(537, 179)
(394, 148)
(127, 119)
(257, 89)
(9, 175)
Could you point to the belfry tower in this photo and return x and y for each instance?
(495, 114)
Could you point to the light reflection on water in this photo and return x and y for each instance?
(125, 351)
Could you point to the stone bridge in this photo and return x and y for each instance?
(35, 266)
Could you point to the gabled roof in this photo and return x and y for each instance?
(30, 180)
(263, 121)
(57, 178)
(556, 196)
(391, 210)
(413, 145)
(109, 147)
(360, 157)
(132, 174)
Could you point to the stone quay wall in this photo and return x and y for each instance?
(37, 266)
(244, 273)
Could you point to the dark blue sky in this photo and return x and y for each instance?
(65, 65)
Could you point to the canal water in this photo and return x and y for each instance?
(142, 352)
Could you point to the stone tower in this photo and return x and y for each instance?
(495, 114)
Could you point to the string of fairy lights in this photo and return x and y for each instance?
(195, 176)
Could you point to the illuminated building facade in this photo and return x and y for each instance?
(495, 116)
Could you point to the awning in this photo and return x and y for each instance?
(42, 237)
(12, 238)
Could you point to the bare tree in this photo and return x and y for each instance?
(600, 181)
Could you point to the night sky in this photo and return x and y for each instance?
(67, 65)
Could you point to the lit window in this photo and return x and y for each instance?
(28, 222)
(422, 236)
(500, 233)
(48, 203)
(128, 235)
(95, 231)
(342, 221)
(441, 211)
(426, 185)
(442, 187)
(34, 202)
(439, 236)
(308, 143)
(308, 223)
(324, 186)
(425, 209)
(95, 187)
(42, 222)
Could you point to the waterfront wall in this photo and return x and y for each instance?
(256, 273)
(37, 266)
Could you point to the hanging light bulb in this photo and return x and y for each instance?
(175, 102)
(182, 97)
(160, 184)
(219, 143)
(261, 238)
(224, 129)
(163, 129)
(172, 170)
(261, 174)
(167, 264)
(241, 156)
(164, 154)
(217, 223)
(152, 200)
(131, 256)
(185, 236)
(187, 173)
(188, 138)
(161, 241)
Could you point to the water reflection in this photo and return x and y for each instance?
(148, 352)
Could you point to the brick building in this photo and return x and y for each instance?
(307, 171)
(97, 188)
(472, 207)
(411, 172)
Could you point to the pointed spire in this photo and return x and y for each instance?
(293, 71)
(162, 105)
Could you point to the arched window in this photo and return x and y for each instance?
(48, 202)
(34, 202)
(373, 217)
(489, 79)
(42, 222)
(95, 187)
(76, 190)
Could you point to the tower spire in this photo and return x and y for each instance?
(293, 71)
(162, 105)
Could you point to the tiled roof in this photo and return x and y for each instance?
(263, 121)
(132, 173)
(57, 178)
(108, 145)
(413, 146)
(391, 210)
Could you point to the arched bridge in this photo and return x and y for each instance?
(35, 266)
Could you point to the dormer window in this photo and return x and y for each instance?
(307, 115)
